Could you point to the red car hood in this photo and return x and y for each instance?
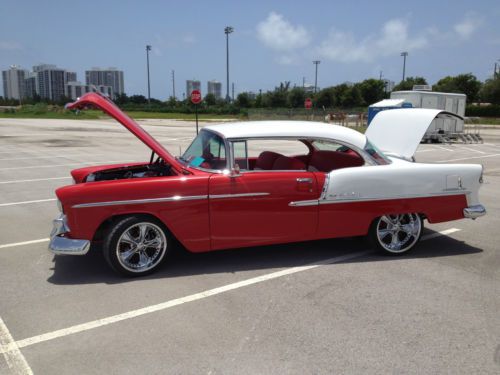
(96, 100)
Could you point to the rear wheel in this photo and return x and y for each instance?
(136, 246)
(396, 234)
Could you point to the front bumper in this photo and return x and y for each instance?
(61, 245)
(475, 211)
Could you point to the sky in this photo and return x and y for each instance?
(272, 42)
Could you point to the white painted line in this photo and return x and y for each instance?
(473, 157)
(66, 165)
(439, 234)
(179, 301)
(444, 148)
(34, 180)
(47, 157)
(13, 356)
(24, 134)
(7, 245)
(194, 297)
(426, 150)
(27, 202)
(473, 150)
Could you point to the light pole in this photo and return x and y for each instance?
(404, 54)
(316, 62)
(227, 30)
(148, 48)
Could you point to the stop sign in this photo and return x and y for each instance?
(308, 103)
(196, 97)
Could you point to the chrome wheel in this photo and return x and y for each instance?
(141, 247)
(398, 233)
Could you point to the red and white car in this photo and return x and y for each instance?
(259, 183)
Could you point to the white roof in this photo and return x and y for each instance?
(427, 93)
(388, 103)
(295, 129)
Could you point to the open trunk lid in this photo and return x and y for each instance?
(399, 131)
(107, 106)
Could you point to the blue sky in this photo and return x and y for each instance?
(273, 41)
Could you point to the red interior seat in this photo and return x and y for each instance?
(287, 163)
(326, 161)
(266, 160)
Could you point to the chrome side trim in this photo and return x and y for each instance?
(241, 195)
(475, 211)
(175, 198)
(366, 199)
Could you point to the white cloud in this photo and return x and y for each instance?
(391, 39)
(10, 46)
(468, 25)
(279, 34)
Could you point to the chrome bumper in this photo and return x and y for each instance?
(61, 245)
(474, 212)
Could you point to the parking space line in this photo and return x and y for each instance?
(473, 150)
(13, 356)
(45, 157)
(195, 297)
(64, 165)
(27, 202)
(34, 180)
(470, 157)
(444, 148)
(5, 246)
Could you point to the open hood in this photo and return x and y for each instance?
(103, 103)
(399, 131)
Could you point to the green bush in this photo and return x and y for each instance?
(479, 111)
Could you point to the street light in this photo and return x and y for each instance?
(316, 62)
(404, 54)
(227, 30)
(148, 48)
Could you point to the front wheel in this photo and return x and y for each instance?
(396, 234)
(136, 246)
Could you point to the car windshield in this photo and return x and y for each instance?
(376, 154)
(207, 151)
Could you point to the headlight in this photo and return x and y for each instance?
(60, 206)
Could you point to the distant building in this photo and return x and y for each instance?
(13, 82)
(106, 77)
(308, 88)
(215, 88)
(192, 85)
(75, 89)
(51, 81)
(30, 85)
(70, 77)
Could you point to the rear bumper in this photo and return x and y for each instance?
(475, 211)
(61, 245)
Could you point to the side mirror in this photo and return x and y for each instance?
(235, 171)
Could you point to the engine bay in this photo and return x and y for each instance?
(157, 169)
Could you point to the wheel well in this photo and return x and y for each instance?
(110, 221)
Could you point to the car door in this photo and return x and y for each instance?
(255, 208)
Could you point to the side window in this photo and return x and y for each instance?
(206, 151)
(270, 154)
(329, 156)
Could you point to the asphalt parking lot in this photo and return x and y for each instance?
(324, 307)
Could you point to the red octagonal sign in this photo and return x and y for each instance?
(196, 97)
(308, 103)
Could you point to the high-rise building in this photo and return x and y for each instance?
(388, 85)
(192, 85)
(31, 85)
(70, 77)
(13, 82)
(51, 80)
(214, 87)
(106, 77)
(75, 89)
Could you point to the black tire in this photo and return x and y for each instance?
(396, 234)
(136, 245)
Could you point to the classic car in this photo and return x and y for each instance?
(259, 183)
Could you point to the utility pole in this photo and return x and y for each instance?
(227, 30)
(148, 48)
(316, 62)
(303, 82)
(233, 90)
(173, 83)
(404, 54)
(380, 76)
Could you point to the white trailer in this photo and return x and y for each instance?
(444, 128)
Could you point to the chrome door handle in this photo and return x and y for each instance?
(304, 180)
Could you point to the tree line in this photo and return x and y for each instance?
(342, 96)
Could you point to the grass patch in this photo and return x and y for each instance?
(483, 120)
(176, 116)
